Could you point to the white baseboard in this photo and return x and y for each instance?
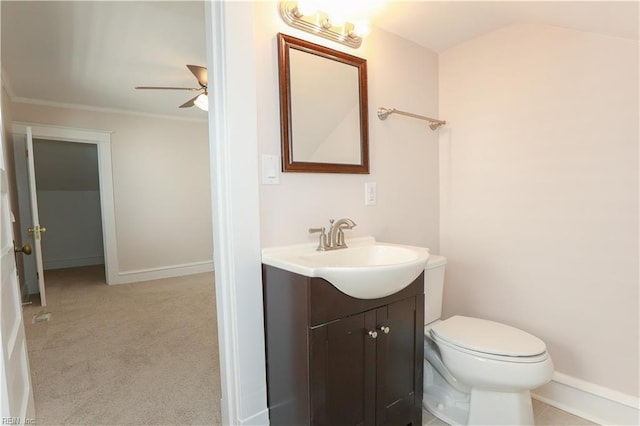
(126, 277)
(590, 401)
(72, 263)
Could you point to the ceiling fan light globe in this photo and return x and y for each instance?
(202, 102)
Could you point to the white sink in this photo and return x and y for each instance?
(366, 269)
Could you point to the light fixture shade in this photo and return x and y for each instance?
(362, 28)
(307, 7)
(202, 102)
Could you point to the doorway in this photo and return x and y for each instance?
(68, 194)
(111, 259)
(90, 153)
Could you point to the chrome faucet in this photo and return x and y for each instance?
(335, 238)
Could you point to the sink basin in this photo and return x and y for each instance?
(366, 269)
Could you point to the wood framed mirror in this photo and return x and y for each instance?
(323, 108)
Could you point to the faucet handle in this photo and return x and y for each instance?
(322, 241)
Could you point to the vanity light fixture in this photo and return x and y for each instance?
(303, 16)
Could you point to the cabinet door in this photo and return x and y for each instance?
(342, 371)
(399, 363)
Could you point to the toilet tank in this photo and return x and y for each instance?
(433, 288)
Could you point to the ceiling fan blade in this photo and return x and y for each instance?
(167, 88)
(189, 103)
(200, 73)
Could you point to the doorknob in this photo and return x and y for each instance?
(37, 231)
(26, 249)
(30, 230)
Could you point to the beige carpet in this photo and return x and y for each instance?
(143, 353)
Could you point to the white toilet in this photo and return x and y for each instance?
(477, 372)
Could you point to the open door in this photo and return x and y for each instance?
(35, 229)
(16, 393)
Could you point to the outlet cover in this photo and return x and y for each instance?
(370, 194)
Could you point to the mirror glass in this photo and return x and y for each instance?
(323, 106)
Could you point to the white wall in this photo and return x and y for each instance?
(404, 162)
(74, 228)
(539, 182)
(403, 151)
(161, 185)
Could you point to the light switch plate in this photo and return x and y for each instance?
(270, 169)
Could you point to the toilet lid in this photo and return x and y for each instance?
(488, 337)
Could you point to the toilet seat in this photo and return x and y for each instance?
(489, 339)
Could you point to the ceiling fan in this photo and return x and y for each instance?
(200, 100)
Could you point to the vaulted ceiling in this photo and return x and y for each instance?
(440, 25)
(93, 53)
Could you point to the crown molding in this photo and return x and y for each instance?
(40, 102)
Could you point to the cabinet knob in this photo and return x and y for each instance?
(373, 334)
(384, 329)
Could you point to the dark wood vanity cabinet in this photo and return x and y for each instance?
(324, 365)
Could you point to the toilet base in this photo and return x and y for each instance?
(500, 408)
(479, 407)
(442, 400)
